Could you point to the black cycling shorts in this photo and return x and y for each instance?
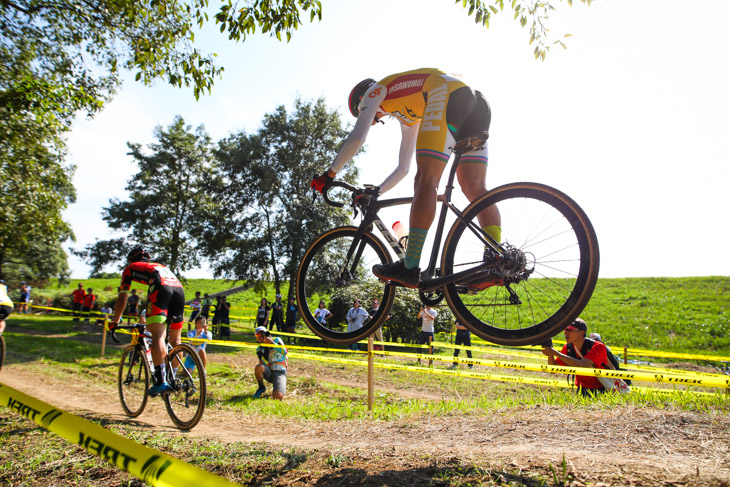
(5, 311)
(167, 301)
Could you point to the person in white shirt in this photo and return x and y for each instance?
(427, 316)
(356, 317)
(322, 314)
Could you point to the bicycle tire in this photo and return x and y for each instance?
(133, 380)
(318, 278)
(558, 241)
(2, 352)
(185, 402)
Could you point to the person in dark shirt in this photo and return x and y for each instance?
(292, 315)
(223, 313)
(277, 314)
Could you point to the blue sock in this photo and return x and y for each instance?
(416, 239)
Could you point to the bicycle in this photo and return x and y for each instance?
(2, 351)
(520, 291)
(184, 402)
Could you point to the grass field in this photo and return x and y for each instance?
(424, 429)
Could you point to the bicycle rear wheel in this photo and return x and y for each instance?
(186, 400)
(327, 274)
(545, 281)
(133, 380)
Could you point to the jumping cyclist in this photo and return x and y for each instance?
(435, 110)
(166, 305)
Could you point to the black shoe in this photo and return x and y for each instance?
(397, 272)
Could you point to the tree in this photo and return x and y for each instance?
(535, 12)
(35, 189)
(170, 198)
(270, 217)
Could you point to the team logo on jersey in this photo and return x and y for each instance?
(406, 85)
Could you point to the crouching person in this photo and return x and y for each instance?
(272, 364)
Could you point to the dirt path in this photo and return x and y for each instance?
(618, 446)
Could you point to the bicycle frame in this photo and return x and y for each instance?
(432, 281)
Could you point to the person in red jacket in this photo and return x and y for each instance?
(78, 301)
(89, 299)
(166, 299)
(575, 354)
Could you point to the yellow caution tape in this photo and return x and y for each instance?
(477, 375)
(668, 370)
(687, 378)
(719, 381)
(150, 466)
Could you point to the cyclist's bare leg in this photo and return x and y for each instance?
(158, 342)
(175, 337)
(423, 209)
(472, 179)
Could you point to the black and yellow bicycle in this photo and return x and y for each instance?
(186, 398)
(520, 291)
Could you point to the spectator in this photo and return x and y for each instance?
(277, 314)
(427, 316)
(89, 299)
(272, 364)
(223, 310)
(6, 305)
(132, 306)
(105, 312)
(322, 314)
(78, 301)
(195, 304)
(205, 306)
(262, 314)
(292, 315)
(463, 337)
(580, 352)
(216, 313)
(613, 362)
(24, 298)
(200, 332)
(378, 335)
(356, 317)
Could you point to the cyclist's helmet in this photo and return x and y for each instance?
(138, 253)
(356, 95)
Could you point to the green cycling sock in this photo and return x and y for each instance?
(416, 239)
(494, 231)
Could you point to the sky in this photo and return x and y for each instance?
(632, 120)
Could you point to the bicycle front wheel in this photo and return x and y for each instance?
(185, 374)
(546, 276)
(133, 380)
(334, 271)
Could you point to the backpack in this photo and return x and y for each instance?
(587, 346)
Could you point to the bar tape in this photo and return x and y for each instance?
(150, 466)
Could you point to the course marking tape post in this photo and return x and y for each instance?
(153, 467)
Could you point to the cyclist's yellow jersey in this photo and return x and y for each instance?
(4, 298)
(417, 95)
